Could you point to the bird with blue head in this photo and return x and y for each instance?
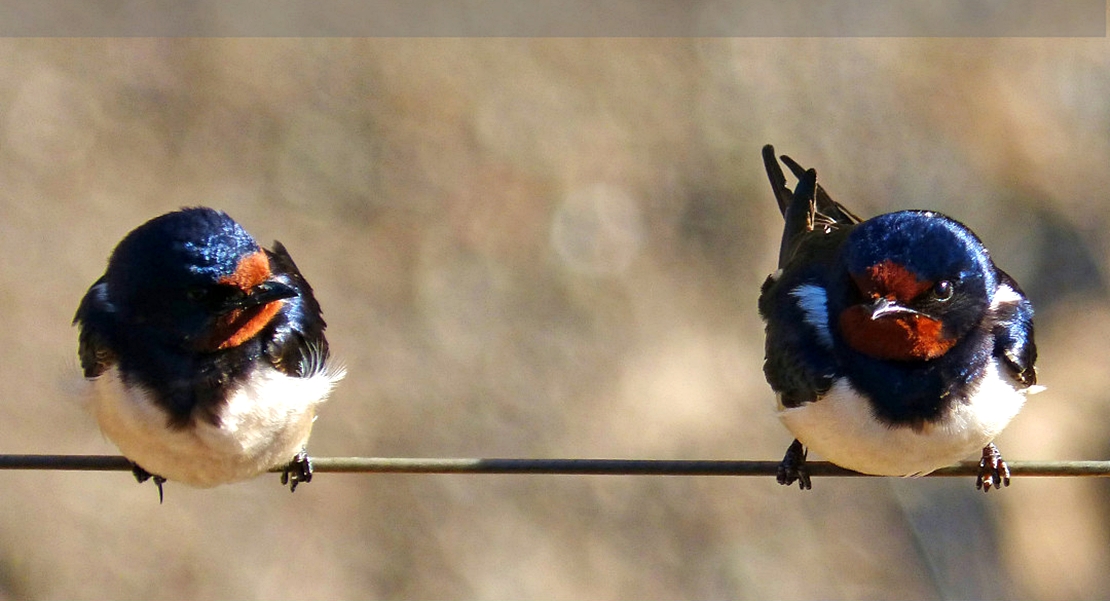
(894, 345)
(206, 353)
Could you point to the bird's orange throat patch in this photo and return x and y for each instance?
(240, 325)
(901, 337)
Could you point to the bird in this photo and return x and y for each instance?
(894, 345)
(205, 353)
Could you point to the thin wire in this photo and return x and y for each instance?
(592, 467)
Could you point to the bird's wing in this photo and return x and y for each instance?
(799, 368)
(823, 205)
(805, 209)
(298, 347)
(797, 371)
(1013, 334)
(93, 318)
(778, 181)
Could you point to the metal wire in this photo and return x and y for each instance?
(592, 467)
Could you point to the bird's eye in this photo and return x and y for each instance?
(943, 291)
(196, 295)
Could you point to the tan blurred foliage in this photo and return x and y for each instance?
(548, 248)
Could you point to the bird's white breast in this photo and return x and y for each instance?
(262, 425)
(841, 427)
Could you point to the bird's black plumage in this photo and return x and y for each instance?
(905, 391)
(150, 314)
(895, 345)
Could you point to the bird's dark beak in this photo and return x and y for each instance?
(883, 306)
(262, 294)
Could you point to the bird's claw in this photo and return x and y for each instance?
(993, 471)
(793, 467)
(298, 470)
(142, 476)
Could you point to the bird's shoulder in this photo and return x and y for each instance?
(1011, 316)
(95, 319)
(800, 362)
(296, 344)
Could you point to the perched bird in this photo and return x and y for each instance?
(894, 345)
(206, 353)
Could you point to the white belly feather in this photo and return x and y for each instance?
(262, 425)
(842, 428)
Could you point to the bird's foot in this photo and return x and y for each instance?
(993, 471)
(142, 476)
(793, 467)
(299, 470)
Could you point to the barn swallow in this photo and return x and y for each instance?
(894, 345)
(206, 353)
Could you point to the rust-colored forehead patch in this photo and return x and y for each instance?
(890, 279)
(253, 269)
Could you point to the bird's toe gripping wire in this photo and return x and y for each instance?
(142, 476)
(993, 471)
(298, 470)
(793, 467)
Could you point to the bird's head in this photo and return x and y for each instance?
(916, 282)
(196, 279)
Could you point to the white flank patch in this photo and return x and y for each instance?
(1005, 295)
(262, 425)
(841, 428)
(814, 304)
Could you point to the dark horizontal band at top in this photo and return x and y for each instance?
(554, 18)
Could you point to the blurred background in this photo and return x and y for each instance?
(549, 248)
